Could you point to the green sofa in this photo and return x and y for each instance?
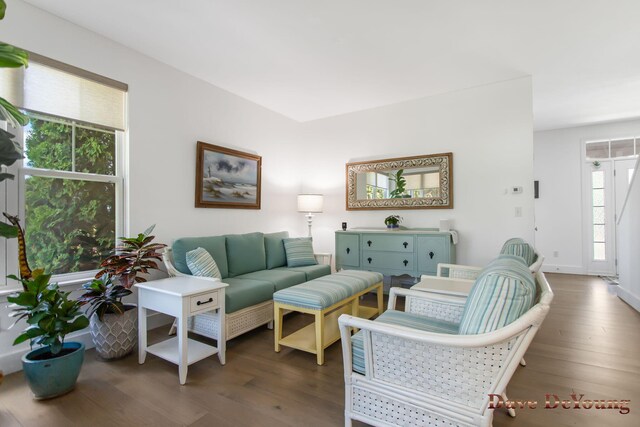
(254, 265)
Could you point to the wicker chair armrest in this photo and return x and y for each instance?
(436, 306)
(458, 271)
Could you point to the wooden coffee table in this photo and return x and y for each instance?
(444, 285)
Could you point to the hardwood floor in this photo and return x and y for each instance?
(589, 344)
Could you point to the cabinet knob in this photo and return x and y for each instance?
(405, 262)
(431, 254)
(369, 259)
(348, 250)
(405, 244)
(369, 242)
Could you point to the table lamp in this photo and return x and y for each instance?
(310, 204)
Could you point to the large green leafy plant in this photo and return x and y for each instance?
(49, 312)
(10, 57)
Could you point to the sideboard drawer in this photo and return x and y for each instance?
(388, 260)
(387, 243)
(431, 251)
(347, 250)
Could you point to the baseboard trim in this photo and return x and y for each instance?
(11, 361)
(628, 297)
(566, 269)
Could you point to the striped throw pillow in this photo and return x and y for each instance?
(502, 293)
(522, 249)
(201, 263)
(299, 252)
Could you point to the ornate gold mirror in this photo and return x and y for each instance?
(419, 182)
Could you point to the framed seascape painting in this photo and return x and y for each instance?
(227, 178)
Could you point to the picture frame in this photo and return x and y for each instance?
(227, 178)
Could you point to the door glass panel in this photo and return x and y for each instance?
(599, 251)
(598, 215)
(597, 179)
(598, 233)
(598, 197)
(622, 148)
(598, 150)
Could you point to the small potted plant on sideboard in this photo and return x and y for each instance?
(393, 222)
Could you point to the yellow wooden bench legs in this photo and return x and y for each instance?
(324, 331)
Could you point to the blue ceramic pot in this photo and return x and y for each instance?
(53, 377)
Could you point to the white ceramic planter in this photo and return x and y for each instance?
(117, 334)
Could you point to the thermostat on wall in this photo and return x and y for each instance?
(516, 190)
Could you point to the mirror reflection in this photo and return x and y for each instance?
(397, 184)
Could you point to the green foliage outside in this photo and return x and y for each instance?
(70, 224)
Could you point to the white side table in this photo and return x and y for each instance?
(180, 297)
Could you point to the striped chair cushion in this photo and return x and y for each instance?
(326, 291)
(400, 318)
(503, 292)
(522, 249)
(201, 263)
(512, 240)
(299, 252)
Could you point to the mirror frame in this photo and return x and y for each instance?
(443, 160)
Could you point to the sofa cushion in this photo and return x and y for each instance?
(280, 279)
(243, 293)
(522, 249)
(401, 318)
(201, 263)
(245, 253)
(274, 248)
(299, 252)
(311, 271)
(503, 292)
(215, 245)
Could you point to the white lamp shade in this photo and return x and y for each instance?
(310, 202)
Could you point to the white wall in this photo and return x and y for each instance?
(489, 131)
(558, 211)
(629, 245)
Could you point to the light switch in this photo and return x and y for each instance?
(518, 211)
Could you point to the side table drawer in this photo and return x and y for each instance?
(204, 302)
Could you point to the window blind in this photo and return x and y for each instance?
(51, 87)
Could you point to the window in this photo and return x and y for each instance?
(612, 148)
(70, 187)
(377, 186)
(70, 193)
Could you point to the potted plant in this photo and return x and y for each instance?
(401, 184)
(393, 221)
(134, 256)
(52, 369)
(114, 325)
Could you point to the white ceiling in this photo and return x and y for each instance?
(309, 59)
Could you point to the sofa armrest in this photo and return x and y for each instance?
(323, 258)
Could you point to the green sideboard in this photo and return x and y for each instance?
(408, 251)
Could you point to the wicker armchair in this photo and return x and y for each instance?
(413, 377)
